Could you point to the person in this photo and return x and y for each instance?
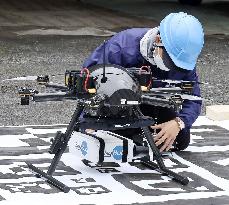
(171, 50)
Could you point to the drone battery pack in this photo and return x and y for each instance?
(101, 146)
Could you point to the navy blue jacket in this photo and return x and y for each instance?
(124, 49)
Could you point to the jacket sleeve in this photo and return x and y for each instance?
(95, 58)
(191, 109)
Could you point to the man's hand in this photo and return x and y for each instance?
(167, 135)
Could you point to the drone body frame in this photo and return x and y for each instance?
(117, 108)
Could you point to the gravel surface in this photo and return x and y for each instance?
(47, 37)
(36, 55)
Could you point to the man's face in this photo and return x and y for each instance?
(165, 62)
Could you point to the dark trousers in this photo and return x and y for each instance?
(161, 115)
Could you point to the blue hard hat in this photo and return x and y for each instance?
(183, 38)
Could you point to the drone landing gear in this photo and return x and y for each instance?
(60, 142)
(160, 166)
(58, 147)
(49, 178)
(162, 169)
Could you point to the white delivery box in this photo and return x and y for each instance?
(101, 146)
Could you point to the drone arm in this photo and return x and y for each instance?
(58, 87)
(60, 96)
(165, 90)
(172, 102)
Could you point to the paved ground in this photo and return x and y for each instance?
(62, 14)
(212, 14)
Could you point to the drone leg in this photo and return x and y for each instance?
(51, 180)
(160, 166)
(58, 147)
(65, 138)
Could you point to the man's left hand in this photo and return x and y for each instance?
(167, 135)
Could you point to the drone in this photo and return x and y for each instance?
(108, 97)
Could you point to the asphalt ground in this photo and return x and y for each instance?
(212, 14)
(34, 41)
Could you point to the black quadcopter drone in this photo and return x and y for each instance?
(108, 98)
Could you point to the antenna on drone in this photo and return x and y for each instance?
(104, 78)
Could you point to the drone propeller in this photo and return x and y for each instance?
(174, 82)
(22, 78)
(40, 79)
(166, 93)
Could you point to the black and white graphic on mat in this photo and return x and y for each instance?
(205, 163)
